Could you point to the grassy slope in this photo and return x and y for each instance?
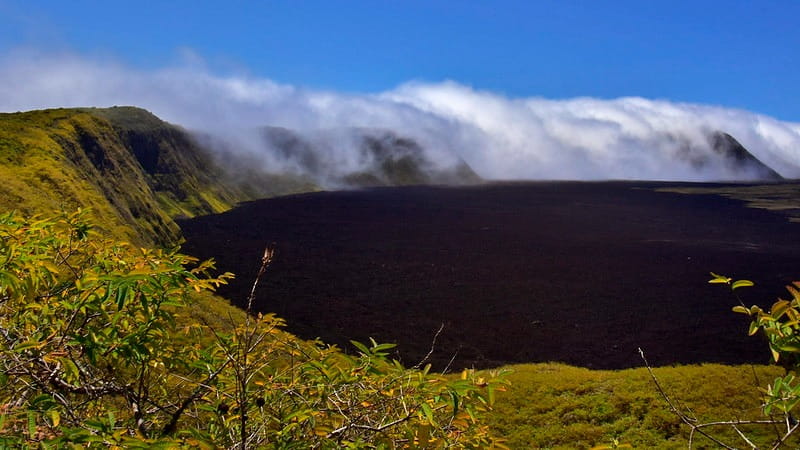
(558, 406)
(44, 168)
(137, 173)
(134, 171)
(181, 172)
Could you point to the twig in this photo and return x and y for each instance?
(269, 253)
(741, 435)
(450, 363)
(433, 347)
(201, 388)
(677, 412)
(786, 436)
(765, 400)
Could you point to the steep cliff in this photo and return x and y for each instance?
(133, 170)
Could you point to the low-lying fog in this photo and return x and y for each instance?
(498, 136)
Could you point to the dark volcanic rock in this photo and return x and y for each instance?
(583, 273)
(739, 159)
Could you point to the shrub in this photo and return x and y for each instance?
(781, 326)
(91, 352)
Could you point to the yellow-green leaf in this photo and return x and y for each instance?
(55, 417)
(741, 309)
(741, 283)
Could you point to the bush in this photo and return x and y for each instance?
(781, 326)
(91, 352)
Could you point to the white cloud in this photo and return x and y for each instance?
(500, 137)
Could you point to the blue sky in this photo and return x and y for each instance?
(738, 54)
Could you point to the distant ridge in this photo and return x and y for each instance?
(139, 173)
(739, 159)
(387, 159)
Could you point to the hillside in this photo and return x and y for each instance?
(138, 173)
(738, 159)
(134, 171)
(65, 159)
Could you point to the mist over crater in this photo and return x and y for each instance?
(421, 132)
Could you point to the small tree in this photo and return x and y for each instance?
(92, 349)
(87, 327)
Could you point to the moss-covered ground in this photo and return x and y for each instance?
(563, 407)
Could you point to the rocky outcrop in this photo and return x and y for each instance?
(738, 159)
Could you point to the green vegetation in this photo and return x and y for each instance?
(92, 351)
(781, 326)
(558, 406)
(44, 168)
(181, 172)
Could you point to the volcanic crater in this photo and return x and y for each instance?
(579, 272)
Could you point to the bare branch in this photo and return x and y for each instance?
(433, 347)
(684, 418)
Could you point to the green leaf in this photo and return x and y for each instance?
(55, 418)
(27, 345)
(70, 368)
(779, 308)
(426, 409)
(122, 294)
(361, 347)
(143, 299)
(31, 425)
(741, 283)
(381, 347)
(719, 279)
(741, 309)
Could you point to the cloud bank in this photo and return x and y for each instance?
(499, 137)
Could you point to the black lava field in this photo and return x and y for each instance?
(578, 272)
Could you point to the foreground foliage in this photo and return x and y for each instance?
(562, 407)
(780, 325)
(91, 352)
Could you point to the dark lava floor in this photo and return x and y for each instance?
(583, 273)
